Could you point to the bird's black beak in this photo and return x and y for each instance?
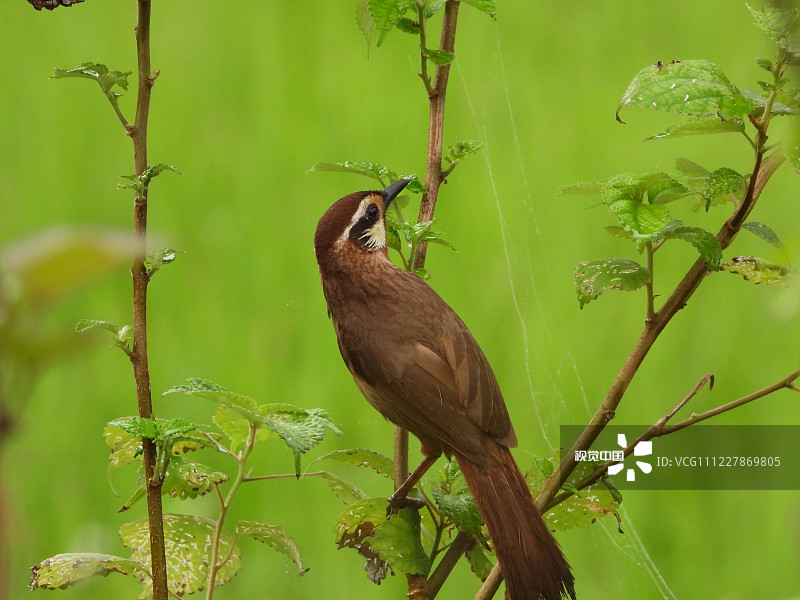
(391, 192)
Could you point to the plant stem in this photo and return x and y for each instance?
(138, 354)
(649, 285)
(762, 171)
(660, 428)
(461, 543)
(224, 505)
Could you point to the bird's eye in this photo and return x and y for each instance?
(372, 212)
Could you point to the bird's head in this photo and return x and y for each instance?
(355, 224)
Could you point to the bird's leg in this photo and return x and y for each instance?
(400, 498)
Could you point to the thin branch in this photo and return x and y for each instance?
(660, 427)
(490, 585)
(462, 543)
(281, 476)
(138, 354)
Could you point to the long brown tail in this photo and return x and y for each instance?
(532, 564)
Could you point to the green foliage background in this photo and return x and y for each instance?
(250, 95)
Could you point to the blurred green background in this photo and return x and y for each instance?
(250, 95)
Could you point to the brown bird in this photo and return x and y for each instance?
(417, 363)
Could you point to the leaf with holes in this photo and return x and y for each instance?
(397, 541)
(188, 550)
(758, 270)
(355, 526)
(273, 536)
(696, 87)
(63, 570)
(593, 277)
(582, 509)
(125, 448)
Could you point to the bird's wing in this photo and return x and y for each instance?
(444, 393)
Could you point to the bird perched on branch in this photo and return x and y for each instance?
(417, 363)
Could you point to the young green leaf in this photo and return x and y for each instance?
(758, 270)
(123, 335)
(780, 24)
(63, 570)
(407, 25)
(704, 241)
(722, 186)
(99, 73)
(696, 87)
(137, 426)
(593, 277)
(487, 6)
(188, 542)
(344, 490)
(644, 222)
(300, 429)
(386, 13)
(274, 536)
(362, 458)
(766, 233)
(188, 480)
(203, 388)
(397, 541)
(584, 188)
(439, 57)
(155, 260)
(701, 126)
(479, 562)
(459, 507)
(364, 20)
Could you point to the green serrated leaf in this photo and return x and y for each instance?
(479, 562)
(758, 270)
(696, 87)
(644, 222)
(432, 7)
(364, 20)
(188, 549)
(87, 324)
(701, 126)
(375, 171)
(344, 490)
(691, 169)
(203, 388)
(765, 232)
(463, 148)
(397, 541)
(593, 277)
(780, 24)
(486, 6)
(99, 73)
(439, 57)
(274, 536)
(362, 458)
(300, 429)
(459, 507)
(632, 186)
(449, 475)
(722, 186)
(704, 241)
(63, 570)
(385, 14)
(137, 426)
(407, 25)
(583, 509)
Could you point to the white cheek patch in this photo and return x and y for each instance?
(373, 238)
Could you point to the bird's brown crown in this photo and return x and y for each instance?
(354, 222)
